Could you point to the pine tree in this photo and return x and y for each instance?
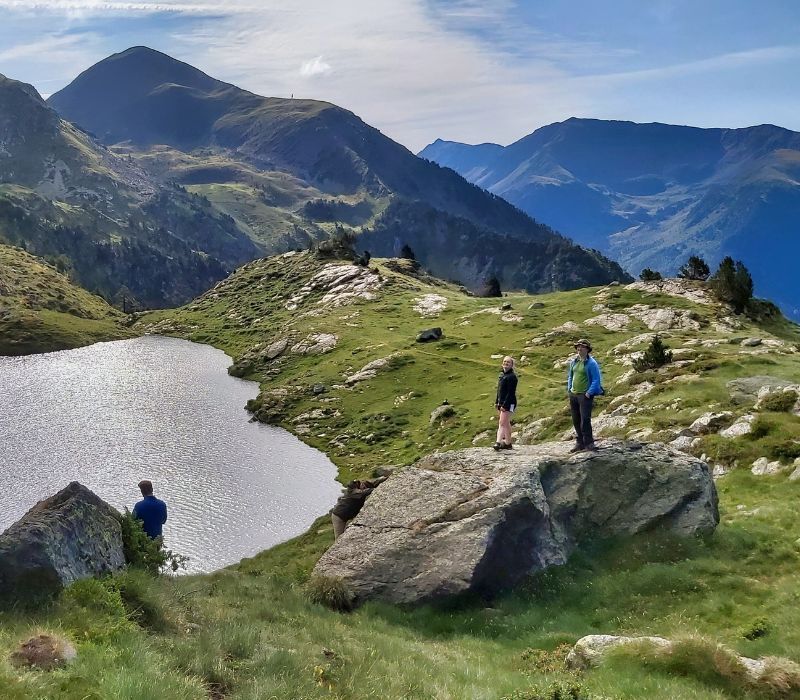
(407, 253)
(695, 269)
(733, 284)
(492, 287)
(648, 275)
(656, 355)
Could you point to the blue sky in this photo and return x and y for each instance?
(466, 70)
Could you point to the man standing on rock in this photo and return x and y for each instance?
(583, 384)
(150, 510)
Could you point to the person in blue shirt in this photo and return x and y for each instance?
(150, 510)
(584, 382)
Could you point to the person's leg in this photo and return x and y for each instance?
(499, 439)
(586, 422)
(575, 410)
(338, 526)
(505, 427)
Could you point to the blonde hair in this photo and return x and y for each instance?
(508, 357)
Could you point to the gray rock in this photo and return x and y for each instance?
(751, 342)
(476, 520)
(442, 412)
(318, 389)
(710, 422)
(745, 390)
(742, 426)
(590, 651)
(69, 536)
(763, 467)
(275, 349)
(430, 334)
(536, 305)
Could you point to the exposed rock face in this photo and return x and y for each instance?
(475, 520)
(316, 344)
(369, 370)
(676, 287)
(763, 467)
(429, 335)
(710, 422)
(430, 305)
(742, 426)
(746, 390)
(69, 536)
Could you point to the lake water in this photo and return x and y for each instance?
(111, 414)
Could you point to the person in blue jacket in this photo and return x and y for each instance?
(584, 382)
(150, 510)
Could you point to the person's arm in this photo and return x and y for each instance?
(594, 386)
(569, 376)
(164, 514)
(503, 392)
(136, 512)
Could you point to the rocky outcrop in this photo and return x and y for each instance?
(479, 521)
(69, 536)
(429, 335)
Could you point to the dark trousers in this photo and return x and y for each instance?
(581, 409)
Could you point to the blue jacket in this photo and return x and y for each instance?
(593, 372)
(152, 512)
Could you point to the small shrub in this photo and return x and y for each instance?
(491, 287)
(756, 629)
(648, 275)
(784, 449)
(656, 355)
(331, 592)
(557, 690)
(142, 552)
(779, 402)
(695, 269)
(545, 660)
(760, 427)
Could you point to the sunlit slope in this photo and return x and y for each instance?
(41, 310)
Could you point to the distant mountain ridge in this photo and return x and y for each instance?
(650, 195)
(291, 171)
(99, 216)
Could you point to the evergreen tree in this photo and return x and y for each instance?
(407, 253)
(733, 284)
(695, 269)
(656, 355)
(492, 287)
(648, 275)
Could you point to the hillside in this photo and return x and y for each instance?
(651, 195)
(334, 347)
(291, 171)
(42, 311)
(68, 199)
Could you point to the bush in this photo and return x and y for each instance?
(491, 287)
(784, 449)
(331, 592)
(648, 275)
(779, 402)
(407, 253)
(143, 552)
(656, 355)
(733, 284)
(760, 427)
(695, 269)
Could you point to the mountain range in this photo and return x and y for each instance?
(651, 195)
(289, 172)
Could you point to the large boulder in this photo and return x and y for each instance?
(476, 520)
(69, 536)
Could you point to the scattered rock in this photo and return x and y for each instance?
(742, 426)
(69, 536)
(429, 335)
(663, 319)
(44, 652)
(341, 284)
(795, 475)
(682, 443)
(476, 520)
(612, 322)
(316, 344)
(430, 305)
(536, 305)
(590, 650)
(481, 437)
(526, 434)
(746, 389)
(751, 342)
(604, 423)
(318, 389)
(763, 467)
(275, 348)
(506, 307)
(441, 412)
(710, 422)
(368, 371)
(676, 287)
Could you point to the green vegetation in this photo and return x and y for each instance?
(695, 269)
(733, 284)
(655, 355)
(648, 275)
(41, 310)
(265, 628)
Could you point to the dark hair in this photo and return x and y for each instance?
(146, 487)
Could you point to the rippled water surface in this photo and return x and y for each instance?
(163, 409)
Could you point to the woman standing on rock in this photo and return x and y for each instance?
(505, 403)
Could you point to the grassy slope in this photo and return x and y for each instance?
(254, 635)
(41, 310)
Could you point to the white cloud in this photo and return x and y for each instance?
(316, 66)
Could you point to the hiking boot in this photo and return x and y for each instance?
(591, 448)
(497, 446)
(507, 446)
(577, 448)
